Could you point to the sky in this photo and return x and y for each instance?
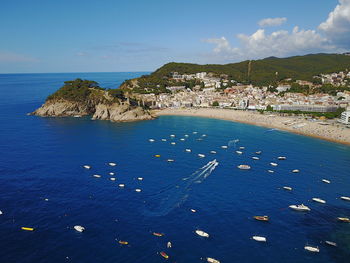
(134, 35)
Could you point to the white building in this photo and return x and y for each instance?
(345, 117)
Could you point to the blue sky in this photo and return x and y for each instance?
(100, 36)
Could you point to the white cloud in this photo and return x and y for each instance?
(272, 21)
(14, 57)
(337, 26)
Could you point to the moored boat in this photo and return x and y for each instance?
(123, 242)
(170, 160)
(319, 200)
(188, 150)
(243, 167)
(344, 219)
(224, 147)
(346, 198)
(255, 158)
(201, 233)
(87, 166)
(151, 140)
(326, 181)
(138, 190)
(112, 164)
(200, 155)
(258, 152)
(312, 249)
(259, 238)
(79, 228)
(273, 164)
(213, 152)
(97, 175)
(212, 260)
(261, 218)
(295, 171)
(301, 207)
(164, 255)
(333, 244)
(158, 234)
(239, 152)
(288, 188)
(281, 158)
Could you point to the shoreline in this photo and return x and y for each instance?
(293, 124)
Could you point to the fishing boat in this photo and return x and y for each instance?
(243, 167)
(281, 158)
(138, 190)
(255, 158)
(258, 152)
(212, 260)
(79, 228)
(344, 219)
(239, 152)
(164, 255)
(151, 140)
(259, 238)
(87, 166)
(261, 218)
(224, 147)
(312, 249)
(326, 181)
(188, 150)
(287, 188)
(295, 171)
(318, 200)
(333, 244)
(158, 234)
(346, 198)
(273, 164)
(200, 155)
(201, 233)
(97, 175)
(112, 164)
(213, 152)
(300, 207)
(123, 242)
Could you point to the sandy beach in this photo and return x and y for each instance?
(332, 132)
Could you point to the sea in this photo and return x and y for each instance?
(44, 186)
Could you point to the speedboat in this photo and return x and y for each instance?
(273, 164)
(333, 244)
(138, 190)
(97, 175)
(318, 200)
(202, 233)
(79, 228)
(224, 147)
(243, 167)
(200, 155)
(239, 152)
(344, 219)
(213, 152)
(255, 158)
(188, 150)
(312, 249)
(151, 140)
(212, 260)
(261, 218)
(295, 171)
(346, 198)
(112, 164)
(164, 255)
(158, 234)
(300, 207)
(87, 166)
(281, 158)
(259, 238)
(326, 181)
(287, 188)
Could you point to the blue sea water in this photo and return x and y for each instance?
(42, 158)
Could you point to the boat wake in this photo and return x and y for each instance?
(175, 195)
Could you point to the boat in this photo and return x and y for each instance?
(79, 228)
(212, 260)
(164, 255)
(270, 171)
(163, 140)
(195, 132)
(112, 164)
(259, 238)
(172, 135)
(241, 148)
(158, 234)
(186, 135)
(193, 210)
(201, 233)
(151, 140)
(224, 147)
(255, 158)
(344, 219)
(258, 152)
(123, 242)
(97, 175)
(287, 188)
(273, 164)
(346, 198)
(87, 166)
(2, 212)
(199, 139)
(27, 228)
(188, 150)
(282, 158)
(300, 207)
(170, 160)
(121, 185)
(157, 155)
(182, 139)
(111, 173)
(139, 178)
(312, 249)
(138, 190)
(261, 218)
(213, 152)
(200, 155)
(243, 167)
(318, 200)
(173, 143)
(168, 245)
(239, 152)
(333, 244)
(204, 135)
(295, 171)
(326, 181)
(112, 179)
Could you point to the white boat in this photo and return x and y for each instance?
(212, 260)
(195, 132)
(172, 135)
(182, 139)
(204, 135)
(112, 178)
(139, 178)
(193, 210)
(200, 155)
(163, 140)
(239, 152)
(318, 200)
(333, 244)
(259, 238)
(173, 143)
(170, 160)
(87, 166)
(287, 188)
(213, 152)
(202, 233)
(258, 152)
(243, 167)
(346, 198)
(186, 135)
(326, 181)
(97, 175)
(151, 140)
(281, 158)
(168, 245)
(138, 190)
(224, 147)
(112, 164)
(121, 185)
(300, 207)
(295, 171)
(111, 173)
(273, 164)
(188, 150)
(312, 249)
(79, 228)
(255, 158)
(2, 212)
(241, 148)
(270, 171)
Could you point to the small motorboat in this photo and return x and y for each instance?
(326, 181)
(111, 173)
(204, 135)
(287, 188)
(212, 260)
(163, 140)
(182, 139)
(138, 190)
(112, 179)
(193, 210)
(186, 135)
(330, 243)
(255, 158)
(79, 228)
(121, 185)
(300, 207)
(312, 249)
(168, 245)
(273, 164)
(271, 171)
(241, 148)
(224, 147)
(112, 164)
(243, 167)
(139, 178)
(202, 233)
(188, 150)
(346, 198)
(158, 234)
(261, 218)
(172, 135)
(164, 255)
(97, 175)
(87, 166)
(213, 152)
(170, 160)
(151, 140)
(258, 152)
(295, 171)
(173, 143)
(282, 158)
(344, 219)
(239, 152)
(259, 238)
(27, 228)
(200, 155)
(195, 132)
(318, 200)
(123, 242)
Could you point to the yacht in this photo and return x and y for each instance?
(300, 207)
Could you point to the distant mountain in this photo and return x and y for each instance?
(263, 71)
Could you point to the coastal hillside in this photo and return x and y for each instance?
(84, 97)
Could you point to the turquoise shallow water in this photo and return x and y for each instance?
(43, 157)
